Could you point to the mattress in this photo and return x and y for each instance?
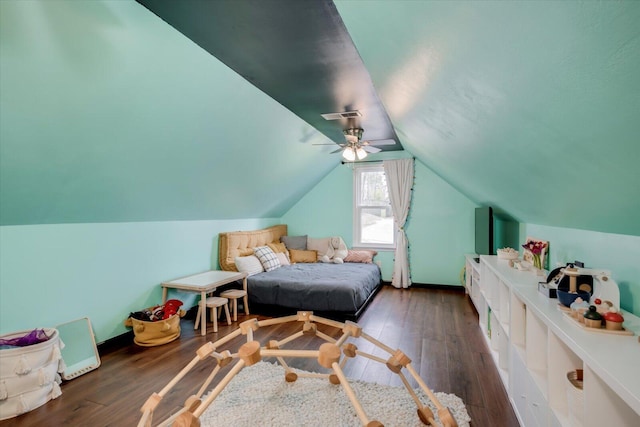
(316, 286)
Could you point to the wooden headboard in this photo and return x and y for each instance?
(241, 243)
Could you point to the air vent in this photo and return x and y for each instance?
(343, 115)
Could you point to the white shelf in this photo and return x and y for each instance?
(534, 345)
(518, 322)
(614, 358)
(564, 361)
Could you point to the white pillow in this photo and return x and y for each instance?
(282, 257)
(319, 245)
(249, 264)
(267, 257)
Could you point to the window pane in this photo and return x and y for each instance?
(376, 225)
(373, 219)
(373, 189)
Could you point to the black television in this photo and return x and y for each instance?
(484, 231)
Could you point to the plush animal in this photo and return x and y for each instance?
(336, 252)
(171, 307)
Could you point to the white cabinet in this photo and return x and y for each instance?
(492, 303)
(534, 345)
(472, 278)
(562, 397)
(518, 386)
(537, 406)
(536, 350)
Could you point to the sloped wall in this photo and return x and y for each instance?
(108, 114)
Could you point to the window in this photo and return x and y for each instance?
(372, 216)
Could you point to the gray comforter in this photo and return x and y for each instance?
(316, 286)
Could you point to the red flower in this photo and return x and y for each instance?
(535, 246)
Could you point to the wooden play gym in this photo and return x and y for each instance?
(329, 355)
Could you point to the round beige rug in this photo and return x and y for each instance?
(259, 396)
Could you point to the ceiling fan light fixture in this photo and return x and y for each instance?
(360, 153)
(357, 132)
(349, 154)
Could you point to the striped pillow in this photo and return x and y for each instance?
(249, 264)
(267, 257)
(360, 256)
(283, 258)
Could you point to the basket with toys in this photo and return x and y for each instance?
(156, 325)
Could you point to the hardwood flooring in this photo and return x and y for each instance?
(436, 328)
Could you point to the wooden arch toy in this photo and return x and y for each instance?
(329, 355)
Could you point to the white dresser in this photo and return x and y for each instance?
(534, 345)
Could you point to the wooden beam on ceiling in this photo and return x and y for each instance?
(297, 52)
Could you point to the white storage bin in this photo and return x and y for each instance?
(29, 376)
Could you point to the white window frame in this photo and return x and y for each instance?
(358, 169)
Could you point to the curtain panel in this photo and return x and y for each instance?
(399, 174)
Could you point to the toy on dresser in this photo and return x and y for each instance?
(595, 306)
(588, 284)
(602, 314)
(613, 319)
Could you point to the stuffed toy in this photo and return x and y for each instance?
(171, 307)
(336, 252)
(158, 312)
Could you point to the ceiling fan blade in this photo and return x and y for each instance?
(332, 143)
(380, 142)
(370, 149)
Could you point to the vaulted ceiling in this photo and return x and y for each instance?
(108, 113)
(297, 52)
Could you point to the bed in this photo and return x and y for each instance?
(338, 291)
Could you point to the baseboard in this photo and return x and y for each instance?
(457, 288)
(115, 343)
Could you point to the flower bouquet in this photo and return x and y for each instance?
(534, 251)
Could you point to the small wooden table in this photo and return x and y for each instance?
(203, 283)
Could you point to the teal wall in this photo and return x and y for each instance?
(108, 114)
(506, 233)
(440, 230)
(51, 274)
(113, 122)
(439, 227)
(515, 103)
(616, 252)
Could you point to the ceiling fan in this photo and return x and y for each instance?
(355, 148)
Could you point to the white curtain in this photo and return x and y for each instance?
(399, 175)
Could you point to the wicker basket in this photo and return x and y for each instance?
(575, 397)
(151, 334)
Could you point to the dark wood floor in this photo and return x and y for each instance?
(436, 328)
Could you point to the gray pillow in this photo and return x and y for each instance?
(295, 242)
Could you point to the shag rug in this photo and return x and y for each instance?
(260, 396)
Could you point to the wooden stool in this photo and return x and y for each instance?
(235, 294)
(213, 303)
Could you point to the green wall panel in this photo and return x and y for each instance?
(526, 106)
(51, 274)
(439, 228)
(108, 114)
(615, 252)
(326, 210)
